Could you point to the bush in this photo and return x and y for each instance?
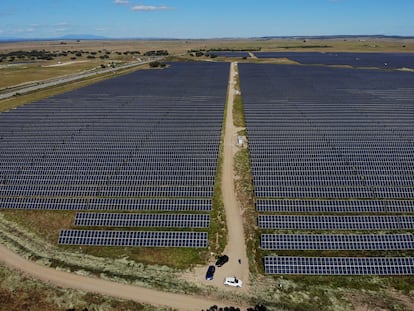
(157, 64)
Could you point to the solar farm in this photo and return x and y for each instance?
(136, 158)
(373, 60)
(331, 154)
(145, 144)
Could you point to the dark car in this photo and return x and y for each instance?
(210, 273)
(222, 260)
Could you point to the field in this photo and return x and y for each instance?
(322, 142)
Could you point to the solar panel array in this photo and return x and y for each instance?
(134, 238)
(337, 241)
(239, 54)
(335, 206)
(142, 220)
(339, 265)
(124, 204)
(330, 142)
(377, 60)
(144, 141)
(336, 222)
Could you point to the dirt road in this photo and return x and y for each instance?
(123, 291)
(236, 246)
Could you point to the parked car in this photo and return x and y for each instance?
(221, 260)
(210, 273)
(233, 281)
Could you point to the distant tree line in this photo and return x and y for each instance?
(156, 53)
(50, 55)
(199, 53)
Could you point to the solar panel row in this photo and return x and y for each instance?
(339, 265)
(106, 191)
(120, 204)
(335, 206)
(337, 242)
(134, 238)
(336, 222)
(142, 220)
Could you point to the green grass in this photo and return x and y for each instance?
(238, 115)
(218, 224)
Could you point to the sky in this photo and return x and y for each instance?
(204, 18)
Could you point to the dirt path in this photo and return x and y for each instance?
(123, 291)
(236, 246)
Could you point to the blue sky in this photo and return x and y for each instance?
(204, 18)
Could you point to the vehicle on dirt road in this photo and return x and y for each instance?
(210, 273)
(221, 260)
(233, 281)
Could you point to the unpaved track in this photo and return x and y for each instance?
(88, 284)
(236, 243)
(235, 249)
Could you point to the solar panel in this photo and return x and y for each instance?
(337, 241)
(339, 265)
(336, 222)
(335, 206)
(110, 204)
(134, 238)
(376, 60)
(142, 220)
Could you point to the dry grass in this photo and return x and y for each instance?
(18, 74)
(46, 224)
(16, 101)
(18, 292)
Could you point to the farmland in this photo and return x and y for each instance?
(329, 150)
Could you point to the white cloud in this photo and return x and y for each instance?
(149, 8)
(121, 2)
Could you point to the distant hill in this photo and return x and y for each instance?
(339, 37)
(66, 37)
(81, 37)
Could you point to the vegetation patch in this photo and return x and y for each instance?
(21, 100)
(21, 293)
(218, 224)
